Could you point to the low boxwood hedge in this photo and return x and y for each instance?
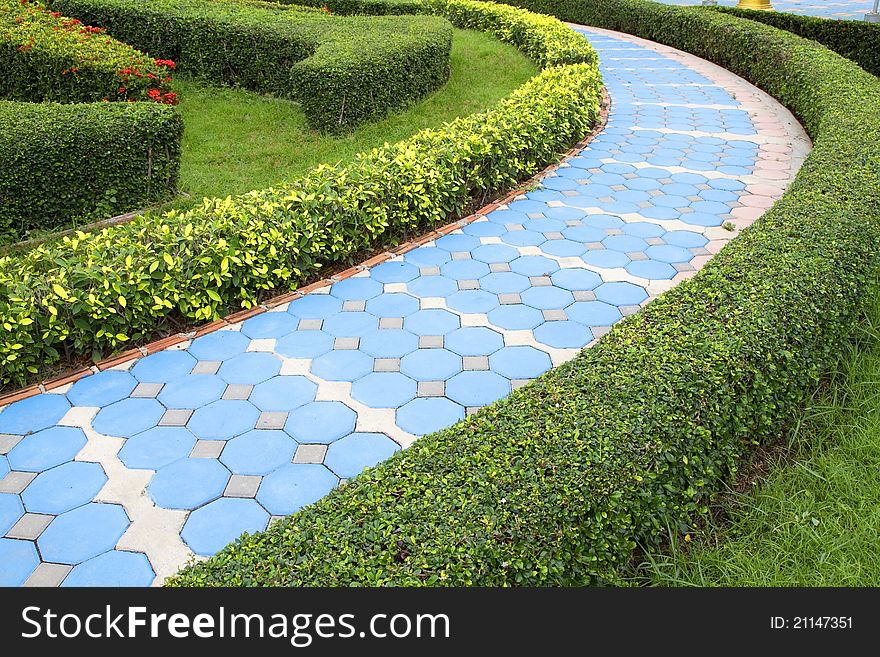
(558, 483)
(855, 40)
(96, 292)
(343, 70)
(64, 161)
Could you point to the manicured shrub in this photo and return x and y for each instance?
(855, 40)
(558, 483)
(98, 291)
(343, 70)
(64, 161)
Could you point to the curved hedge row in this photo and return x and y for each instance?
(342, 70)
(97, 291)
(855, 40)
(63, 161)
(558, 483)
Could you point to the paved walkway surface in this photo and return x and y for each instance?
(123, 476)
(843, 9)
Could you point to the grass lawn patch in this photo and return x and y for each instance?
(236, 140)
(814, 520)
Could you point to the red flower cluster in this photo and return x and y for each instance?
(165, 62)
(169, 98)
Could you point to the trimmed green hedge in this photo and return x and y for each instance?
(98, 291)
(855, 40)
(558, 483)
(64, 162)
(343, 70)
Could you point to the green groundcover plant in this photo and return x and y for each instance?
(561, 481)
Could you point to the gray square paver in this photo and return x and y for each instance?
(430, 341)
(461, 255)
(509, 298)
(271, 420)
(207, 449)
(540, 281)
(8, 441)
(629, 310)
(354, 305)
(429, 271)
(242, 486)
(48, 574)
(386, 365)
(346, 343)
(468, 284)
(175, 417)
(310, 454)
(151, 390)
(584, 295)
(206, 367)
(15, 482)
(30, 526)
(391, 322)
(499, 267)
(238, 391)
(431, 389)
(473, 363)
(310, 324)
(555, 315)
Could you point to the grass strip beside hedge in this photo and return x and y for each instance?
(558, 483)
(59, 162)
(343, 70)
(95, 292)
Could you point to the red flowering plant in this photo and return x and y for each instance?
(53, 58)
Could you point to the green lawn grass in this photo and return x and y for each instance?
(235, 141)
(815, 519)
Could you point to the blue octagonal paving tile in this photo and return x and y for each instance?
(102, 388)
(321, 422)
(83, 533)
(351, 324)
(293, 486)
(576, 279)
(156, 448)
(504, 282)
(342, 365)
(304, 344)
(477, 388)
(46, 449)
(10, 511)
(188, 483)
(63, 488)
(594, 313)
(474, 341)
(394, 272)
(352, 289)
(516, 317)
(457, 243)
(114, 568)
(192, 391)
(651, 269)
(621, 293)
(258, 452)
(520, 362)
(389, 343)
(685, 238)
(269, 325)
(669, 253)
(394, 304)
(384, 390)
(250, 368)
(430, 364)
(534, 266)
(219, 345)
(33, 414)
(223, 419)
(315, 306)
(348, 456)
(209, 529)
(462, 270)
(165, 366)
(283, 393)
(472, 301)
(428, 256)
(547, 297)
(431, 322)
(563, 335)
(4, 466)
(432, 286)
(427, 414)
(492, 253)
(19, 558)
(128, 417)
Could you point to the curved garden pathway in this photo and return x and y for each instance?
(841, 9)
(120, 477)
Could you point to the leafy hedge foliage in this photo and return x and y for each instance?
(97, 291)
(59, 162)
(855, 40)
(47, 57)
(558, 483)
(343, 71)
